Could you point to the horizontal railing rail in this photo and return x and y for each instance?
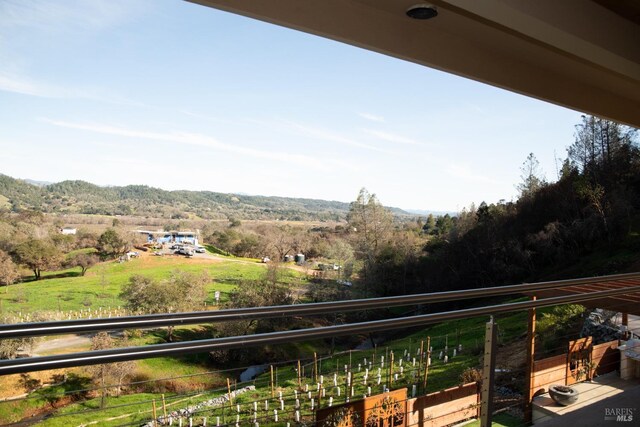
(188, 347)
(198, 317)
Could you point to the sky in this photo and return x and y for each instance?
(179, 96)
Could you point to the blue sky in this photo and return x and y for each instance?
(179, 96)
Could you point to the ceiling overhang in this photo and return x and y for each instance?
(581, 54)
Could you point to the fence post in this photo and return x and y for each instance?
(426, 365)
(273, 392)
(155, 416)
(488, 373)
(164, 409)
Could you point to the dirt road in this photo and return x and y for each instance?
(61, 343)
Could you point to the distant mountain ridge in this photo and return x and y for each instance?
(83, 197)
(38, 183)
(423, 212)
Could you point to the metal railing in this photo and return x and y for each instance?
(255, 313)
(631, 284)
(189, 347)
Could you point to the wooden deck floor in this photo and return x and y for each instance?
(606, 391)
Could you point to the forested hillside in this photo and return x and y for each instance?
(586, 223)
(87, 198)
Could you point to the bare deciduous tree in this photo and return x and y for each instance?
(8, 270)
(370, 227)
(109, 376)
(531, 175)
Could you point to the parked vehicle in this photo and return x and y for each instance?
(201, 250)
(184, 251)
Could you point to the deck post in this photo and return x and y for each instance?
(488, 374)
(531, 347)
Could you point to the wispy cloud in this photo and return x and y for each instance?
(68, 15)
(65, 21)
(205, 117)
(372, 117)
(465, 173)
(25, 86)
(201, 141)
(22, 86)
(476, 108)
(391, 137)
(126, 161)
(326, 135)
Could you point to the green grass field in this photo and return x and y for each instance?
(66, 290)
(121, 410)
(101, 286)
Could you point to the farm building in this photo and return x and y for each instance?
(162, 236)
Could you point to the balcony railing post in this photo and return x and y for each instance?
(488, 373)
(531, 346)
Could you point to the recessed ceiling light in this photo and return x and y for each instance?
(422, 11)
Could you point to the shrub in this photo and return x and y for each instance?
(470, 375)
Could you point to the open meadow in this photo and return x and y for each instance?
(67, 291)
(66, 294)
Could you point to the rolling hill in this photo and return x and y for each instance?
(81, 197)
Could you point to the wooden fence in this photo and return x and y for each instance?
(549, 371)
(604, 358)
(578, 357)
(446, 407)
(382, 410)
(393, 409)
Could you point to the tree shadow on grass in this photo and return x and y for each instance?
(199, 332)
(61, 275)
(71, 388)
(194, 333)
(216, 250)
